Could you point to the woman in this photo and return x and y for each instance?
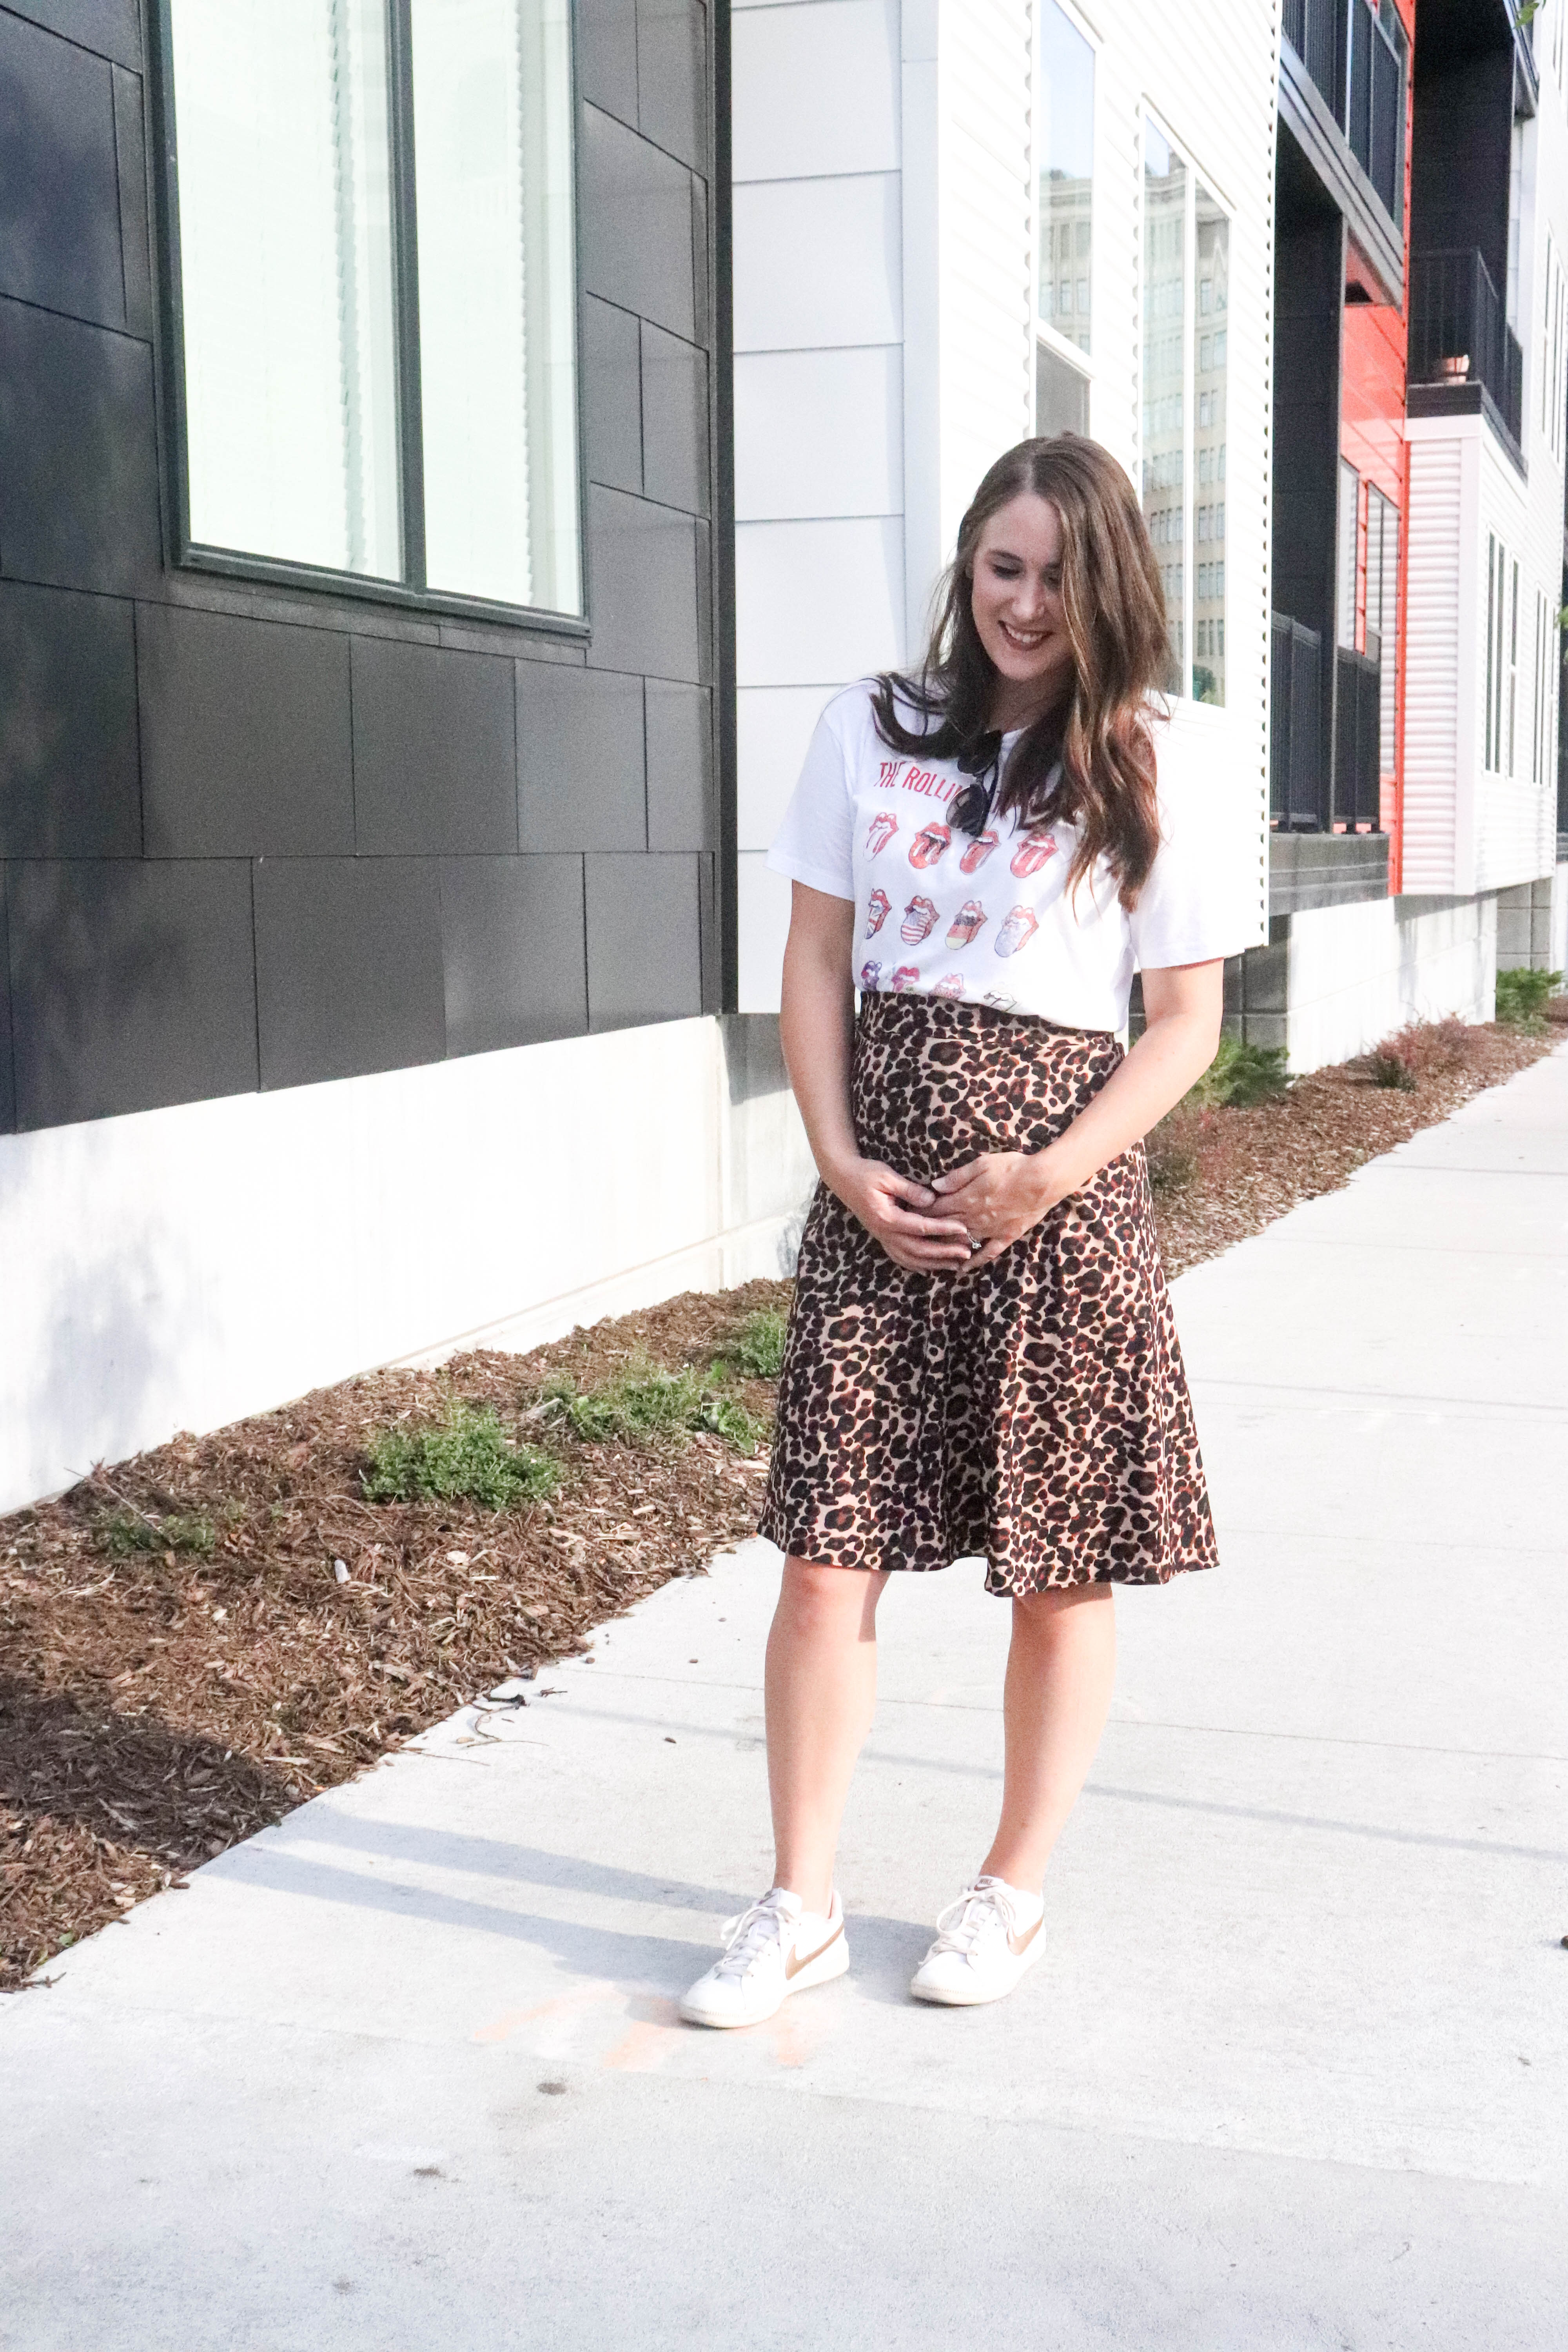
(982, 1359)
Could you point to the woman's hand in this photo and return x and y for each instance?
(890, 1206)
(1000, 1196)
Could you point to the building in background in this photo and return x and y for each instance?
(1419, 229)
(957, 222)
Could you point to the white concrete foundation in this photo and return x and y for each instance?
(1355, 974)
(179, 1268)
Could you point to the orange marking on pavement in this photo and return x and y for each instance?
(643, 2047)
(563, 2005)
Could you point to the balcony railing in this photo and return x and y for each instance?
(1298, 774)
(1356, 54)
(1459, 331)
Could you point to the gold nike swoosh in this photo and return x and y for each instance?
(1016, 1944)
(796, 1960)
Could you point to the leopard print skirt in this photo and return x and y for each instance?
(1033, 1413)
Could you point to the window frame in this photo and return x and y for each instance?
(410, 596)
(1060, 346)
(1197, 176)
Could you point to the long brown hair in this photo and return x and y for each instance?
(1115, 608)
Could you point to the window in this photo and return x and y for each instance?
(1347, 552)
(1543, 691)
(1382, 615)
(1502, 656)
(1186, 300)
(1512, 661)
(1065, 175)
(1553, 353)
(370, 217)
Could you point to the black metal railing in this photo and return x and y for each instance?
(1459, 330)
(1358, 734)
(1314, 29)
(1297, 772)
(1355, 52)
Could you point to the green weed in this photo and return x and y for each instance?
(1521, 996)
(465, 1457)
(1388, 1068)
(124, 1531)
(1240, 1076)
(759, 1350)
(644, 1405)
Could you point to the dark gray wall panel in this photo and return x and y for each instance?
(580, 759)
(59, 188)
(434, 750)
(512, 951)
(644, 952)
(348, 967)
(642, 572)
(135, 232)
(78, 491)
(673, 77)
(7, 1091)
(245, 745)
(680, 810)
(111, 27)
(69, 782)
(675, 421)
(132, 986)
(636, 225)
(606, 40)
(612, 397)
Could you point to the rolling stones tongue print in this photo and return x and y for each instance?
(978, 851)
(930, 845)
(878, 907)
(967, 924)
(880, 831)
(1017, 930)
(950, 984)
(906, 976)
(1032, 854)
(920, 922)
(870, 976)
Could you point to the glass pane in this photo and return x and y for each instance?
(286, 279)
(492, 147)
(1067, 174)
(1347, 553)
(1165, 300)
(1061, 393)
(1210, 375)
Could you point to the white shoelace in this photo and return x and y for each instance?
(746, 1937)
(980, 1911)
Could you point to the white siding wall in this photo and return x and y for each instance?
(1441, 695)
(884, 291)
(1467, 828)
(820, 394)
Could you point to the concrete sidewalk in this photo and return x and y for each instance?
(402, 2074)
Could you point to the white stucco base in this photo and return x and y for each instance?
(1357, 973)
(180, 1268)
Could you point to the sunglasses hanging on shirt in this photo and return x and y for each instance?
(969, 809)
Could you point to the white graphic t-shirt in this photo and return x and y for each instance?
(991, 921)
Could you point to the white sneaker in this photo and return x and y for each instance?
(770, 1951)
(984, 1943)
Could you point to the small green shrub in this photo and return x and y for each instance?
(1521, 996)
(465, 1457)
(644, 1405)
(124, 1531)
(1387, 1067)
(1240, 1076)
(759, 1350)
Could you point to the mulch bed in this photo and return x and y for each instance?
(157, 1708)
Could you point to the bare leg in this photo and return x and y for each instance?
(821, 1688)
(1061, 1667)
